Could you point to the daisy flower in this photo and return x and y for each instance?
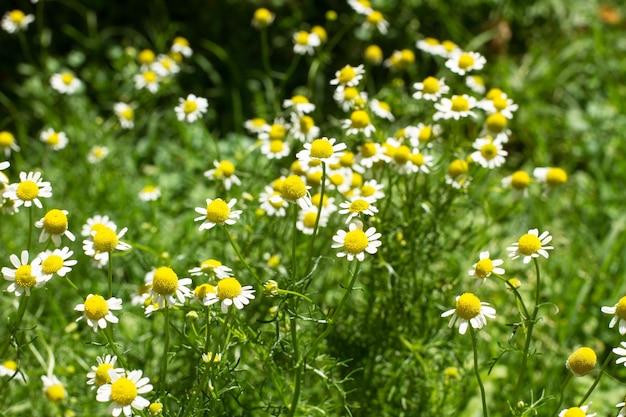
(348, 76)
(371, 190)
(476, 83)
(581, 361)
(224, 171)
(191, 108)
(272, 202)
(217, 211)
(28, 191)
(7, 143)
(98, 311)
(456, 107)
(230, 292)
(307, 218)
(147, 79)
(95, 223)
(299, 104)
(54, 226)
(164, 66)
(518, 181)
(54, 140)
(400, 60)
(422, 162)
(373, 55)
(65, 83)
(457, 174)
(349, 98)
(166, 288)
(149, 193)
(485, 267)
(464, 62)
(577, 412)
(146, 57)
(552, 176)
(531, 245)
(356, 242)
(15, 20)
(124, 392)
(275, 149)
(489, 153)
(469, 311)
(321, 150)
(498, 103)
(181, 46)
(619, 315)
(431, 46)
(262, 18)
(10, 368)
(381, 109)
(125, 114)
(97, 154)
(303, 128)
(375, 19)
(103, 241)
(99, 374)
(305, 42)
(359, 121)
(56, 262)
(294, 190)
(25, 275)
(361, 6)
(212, 267)
(430, 89)
(256, 125)
(371, 153)
(355, 207)
(53, 388)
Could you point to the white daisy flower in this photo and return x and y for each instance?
(191, 108)
(15, 20)
(149, 193)
(469, 311)
(299, 104)
(65, 83)
(224, 171)
(8, 143)
(166, 288)
(53, 388)
(104, 241)
(531, 245)
(356, 242)
(97, 154)
(305, 42)
(381, 109)
(303, 128)
(54, 140)
(96, 222)
(256, 126)
(230, 292)
(124, 392)
(212, 266)
(375, 19)
(349, 98)
(98, 311)
(485, 267)
(275, 149)
(125, 114)
(147, 79)
(272, 202)
(430, 89)
(10, 369)
(348, 76)
(371, 190)
(217, 211)
(28, 191)
(363, 7)
(54, 226)
(25, 275)
(181, 45)
(476, 83)
(489, 153)
(357, 206)
(359, 122)
(99, 374)
(321, 150)
(456, 107)
(56, 262)
(164, 66)
(619, 315)
(464, 62)
(371, 153)
(577, 412)
(307, 218)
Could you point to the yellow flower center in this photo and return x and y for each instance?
(417, 159)
(275, 201)
(149, 76)
(355, 241)
(55, 393)
(468, 306)
(448, 45)
(258, 122)
(105, 240)
(402, 154)
(217, 211)
(582, 361)
(27, 190)
(367, 191)
(202, 290)
(302, 38)
(228, 288)
(293, 188)
(179, 40)
(17, 16)
(209, 265)
(466, 61)
(336, 179)
(407, 57)
(277, 132)
(320, 32)
(528, 244)
(226, 168)
(500, 103)
(165, 281)
(556, 176)
(262, 16)
(317, 199)
(358, 206)
(306, 123)
(52, 264)
(457, 167)
(321, 148)
(620, 310)
(55, 222)
(494, 94)
(383, 105)
(123, 391)
(189, 106)
(574, 412)
(496, 122)
(373, 54)
(12, 365)
(520, 180)
(489, 151)
(375, 17)
(309, 219)
(346, 74)
(6, 139)
(430, 85)
(102, 374)
(96, 307)
(460, 104)
(67, 78)
(314, 178)
(24, 278)
(146, 56)
(360, 119)
(155, 409)
(350, 93)
(299, 99)
(432, 41)
(483, 268)
(53, 139)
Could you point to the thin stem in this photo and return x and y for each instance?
(297, 294)
(483, 397)
(317, 221)
(108, 334)
(240, 256)
(166, 347)
(265, 52)
(299, 368)
(294, 235)
(110, 275)
(596, 381)
(18, 320)
(287, 75)
(563, 385)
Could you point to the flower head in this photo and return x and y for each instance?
(212, 267)
(191, 108)
(99, 374)
(166, 288)
(300, 104)
(54, 226)
(455, 107)
(53, 388)
(28, 191)
(553, 176)
(531, 245)
(262, 18)
(230, 292)
(217, 211)
(150, 193)
(577, 411)
(65, 83)
(181, 46)
(224, 171)
(54, 140)
(97, 154)
(98, 311)
(356, 207)
(321, 150)
(348, 76)
(125, 114)
(464, 62)
(430, 89)
(359, 121)
(581, 361)
(56, 262)
(25, 275)
(103, 241)
(619, 311)
(15, 20)
(305, 42)
(489, 153)
(147, 79)
(124, 392)
(469, 311)
(10, 368)
(7, 143)
(355, 242)
(485, 267)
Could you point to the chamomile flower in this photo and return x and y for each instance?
(65, 82)
(191, 108)
(224, 171)
(181, 46)
(294, 190)
(275, 148)
(165, 66)
(531, 245)
(98, 311)
(348, 76)
(350, 98)
(147, 79)
(166, 288)
(54, 140)
(321, 150)
(363, 7)
(256, 125)
(150, 193)
(300, 104)
(356, 207)
(581, 411)
(217, 211)
(552, 176)
(262, 18)
(272, 202)
(371, 190)
(373, 55)
(25, 275)
(95, 223)
(99, 374)
(307, 218)
(457, 174)
(485, 267)
(456, 107)
(145, 57)
(463, 62)
(10, 369)
(305, 42)
(498, 102)
(422, 134)
(430, 89)
(230, 292)
(619, 315)
(518, 181)
(56, 262)
(53, 388)
(400, 60)
(15, 20)
(104, 241)
(125, 114)
(371, 153)
(8, 143)
(581, 361)
(476, 83)
(431, 46)
(381, 109)
(423, 163)
(212, 267)
(54, 226)
(355, 242)
(469, 311)
(489, 152)
(275, 131)
(28, 191)
(97, 154)
(303, 128)
(375, 19)
(359, 122)
(124, 392)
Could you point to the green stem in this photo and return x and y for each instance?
(18, 320)
(317, 221)
(297, 294)
(294, 240)
(265, 52)
(563, 385)
(299, 368)
(483, 397)
(108, 334)
(240, 256)
(287, 75)
(596, 381)
(166, 347)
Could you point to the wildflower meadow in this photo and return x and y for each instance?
(313, 208)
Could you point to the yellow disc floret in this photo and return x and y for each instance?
(430, 85)
(165, 281)
(528, 244)
(24, 277)
(483, 268)
(346, 74)
(55, 222)
(460, 104)
(217, 211)
(51, 264)
(228, 288)
(496, 122)
(189, 106)
(520, 180)
(468, 306)
(321, 148)
(27, 190)
(574, 412)
(293, 188)
(465, 61)
(102, 374)
(123, 391)
(355, 241)
(556, 176)
(105, 240)
(582, 361)
(360, 119)
(55, 393)
(96, 307)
